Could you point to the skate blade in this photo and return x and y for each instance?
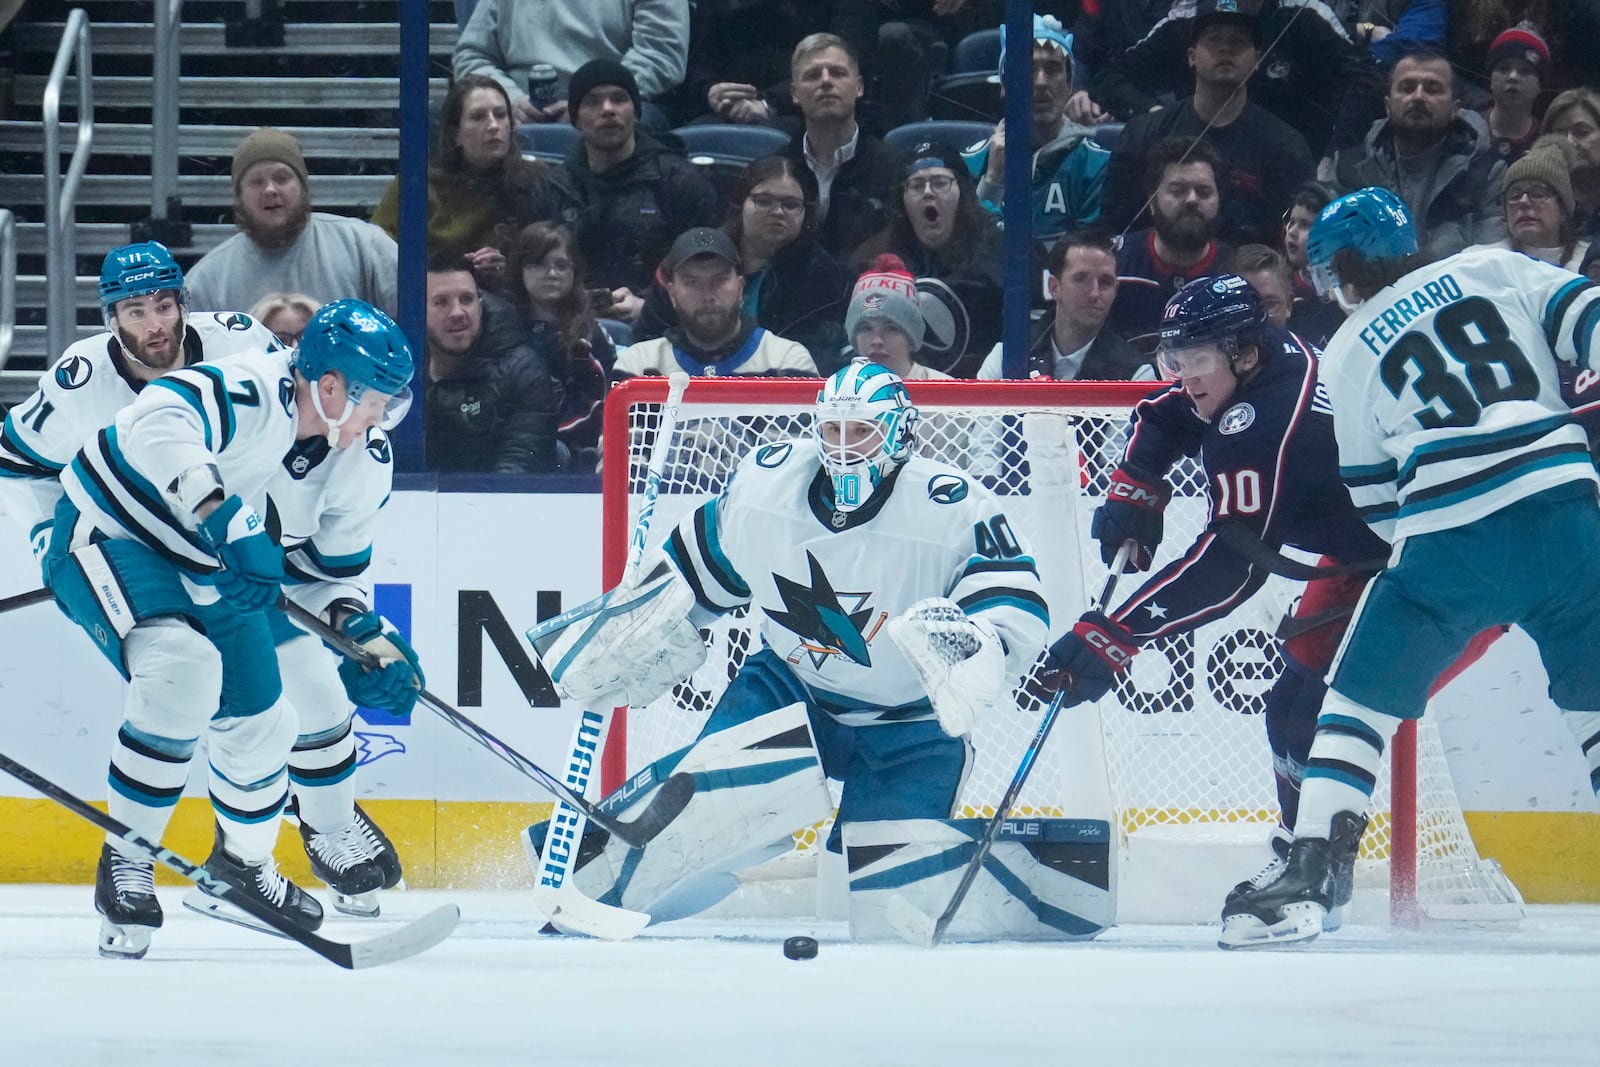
(123, 942)
(360, 905)
(1300, 923)
(213, 908)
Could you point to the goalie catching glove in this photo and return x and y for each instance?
(960, 661)
(627, 646)
(1086, 661)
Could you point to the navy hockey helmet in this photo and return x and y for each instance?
(1209, 311)
(364, 345)
(1372, 222)
(137, 270)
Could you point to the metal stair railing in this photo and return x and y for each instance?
(61, 195)
(166, 209)
(8, 285)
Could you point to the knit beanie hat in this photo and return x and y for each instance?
(886, 291)
(1545, 162)
(1522, 41)
(267, 144)
(591, 76)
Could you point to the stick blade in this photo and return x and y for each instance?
(409, 940)
(570, 911)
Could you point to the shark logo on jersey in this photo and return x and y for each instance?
(370, 748)
(947, 489)
(1236, 419)
(74, 373)
(825, 627)
(234, 321)
(774, 455)
(378, 446)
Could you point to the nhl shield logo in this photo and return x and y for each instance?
(1236, 419)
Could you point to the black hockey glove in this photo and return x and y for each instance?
(1087, 660)
(1132, 512)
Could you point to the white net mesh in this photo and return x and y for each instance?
(1184, 735)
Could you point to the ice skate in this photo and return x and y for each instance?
(264, 882)
(1293, 904)
(125, 897)
(354, 862)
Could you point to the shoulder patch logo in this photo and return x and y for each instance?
(947, 489)
(232, 320)
(1236, 419)
(774, 455)
(378, 446)
(74, 373)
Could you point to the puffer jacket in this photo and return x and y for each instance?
(1461, 208)
(627, 217)
(498, 411)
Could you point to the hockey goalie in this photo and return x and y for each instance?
(896, 607)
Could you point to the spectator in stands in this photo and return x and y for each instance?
(479, 184)
(1519, 69)
(952, 246)
(284, 246)
(1476, 24)
(1436, 157)
(1388, 29)
(853, 169)
(285, 314)
(1539, 207)
(1105, 29)
(1316, 79)
(505, 39)
(1311, 317)
(884, 320)
(1069, 167)
(713, 335)
(906, 44)
(791, 285)
(624, 193)
(491, 404)
(1575, 116)
(1072, 343)
(562, 329)
(1268, 273)
(1182, 244)
(1263, 158)
(739, 57)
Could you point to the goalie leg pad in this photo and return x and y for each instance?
(895, 771)
(1045, 880)
(756, 783)
(626, 646)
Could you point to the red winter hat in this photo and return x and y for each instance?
(1523, 42)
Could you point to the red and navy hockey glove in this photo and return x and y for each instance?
(1133, 511)
(1086, 661)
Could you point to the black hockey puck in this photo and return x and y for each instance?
(800, 948)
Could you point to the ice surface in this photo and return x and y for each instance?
(723, 994)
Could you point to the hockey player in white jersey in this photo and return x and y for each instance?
(161, 553)
(1457, 446)
(141, 291)
(895, 607)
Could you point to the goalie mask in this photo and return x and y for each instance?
(866, 426)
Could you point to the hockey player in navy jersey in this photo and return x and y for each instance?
(161, 553)
(1246, 400)
(896, 606)
(1456, 444)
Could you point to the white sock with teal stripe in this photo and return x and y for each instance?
(1343, 767)
(1585, 726)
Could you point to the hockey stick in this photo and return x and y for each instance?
(414, 937)
(662, 810)
(23, 600)
(1239, 537)
(567, 907)
(906, 918)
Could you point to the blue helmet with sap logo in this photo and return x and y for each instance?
(138, 270)
(1372, 222)
(865, 426)
(366, 347)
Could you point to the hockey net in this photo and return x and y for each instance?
(1184, 743)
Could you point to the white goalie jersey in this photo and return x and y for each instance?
(81, 393)
(826, 583)
(1446, 404)
(238, 414)
(324, 502)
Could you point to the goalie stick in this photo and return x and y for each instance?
(663, 809)
(410, 939)
(555, 891)
(915, 926)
